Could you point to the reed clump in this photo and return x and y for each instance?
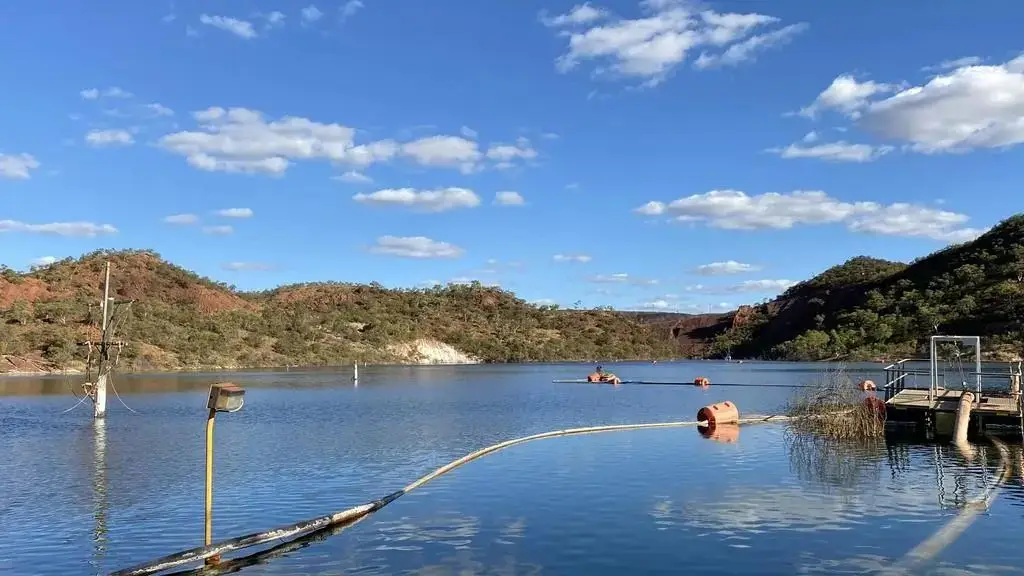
(835, 407)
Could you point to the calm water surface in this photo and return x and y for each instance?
(82, 498)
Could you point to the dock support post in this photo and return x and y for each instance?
(963, 417)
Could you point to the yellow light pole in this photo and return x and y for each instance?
(224, 397)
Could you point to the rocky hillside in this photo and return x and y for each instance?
(870, 308)
(181, 320)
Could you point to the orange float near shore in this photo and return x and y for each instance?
(720, 413)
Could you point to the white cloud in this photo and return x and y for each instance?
(550, 136)
(235, 213)
(506, 154)
(183, 219)
(158, 109)
(724, 268)
(902, 219)
(44, 261)
(240, 28)
(440, 200)
(582, 258)
(572, 186)
(957, 63)
(468, 132)
(509, 198)
(840, 151)
(811, 136)
(109, 138)
(651, 46)
(221, 230)
(311, 14)
(429, 283)
(544, 302)
(71, 229)
(580, 14)
(773, 286)
(747, 49)
(247, 266)
(354, 177)
(449, 151)
(621, 278)
(970, 107)
(735, 210)
(847, 95)
(112, 92)
(240, 140)
(415, 247)
(273, 19)
(350, 8)
(17, 166)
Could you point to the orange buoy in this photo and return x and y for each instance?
(866, 385)
(720, 413)
(701, 381)
(727, 433)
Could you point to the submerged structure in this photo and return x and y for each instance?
(983, 401)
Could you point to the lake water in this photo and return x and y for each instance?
(82, 498)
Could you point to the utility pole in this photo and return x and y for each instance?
(98, 393)
(99, 406)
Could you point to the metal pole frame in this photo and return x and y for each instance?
(975, 341)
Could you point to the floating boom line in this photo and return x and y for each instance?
(359, 512)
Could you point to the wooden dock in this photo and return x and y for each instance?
(946, 401)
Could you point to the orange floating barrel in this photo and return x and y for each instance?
(720, 413)
(727, 433)
(701, 381)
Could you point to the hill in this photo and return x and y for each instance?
(867, 308)
(182, 320)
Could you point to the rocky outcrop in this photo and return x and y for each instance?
(424, 351)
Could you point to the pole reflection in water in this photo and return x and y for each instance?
(99, 484)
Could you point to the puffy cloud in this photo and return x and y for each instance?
(311, 14)
(724, 268)
(506, 154)
(71, 229)
(651, 46)
(415, 247)
(582, 258)
(840, 151)
(44, 261)
(957, 63)
(966, 107)
(449, 151)
(109, 138)
(621, 278)
(762, 286)
(17, 166)
(466, 280)
(348, 9)
(235, 212)
(158, 109)
(240, 28)
(183, 219)
(440, 200)
(735, 210)
(847, 95)
(970, 107)
(468, 132)
(509, 198)
(242, 140)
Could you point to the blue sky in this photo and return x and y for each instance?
(661, 154)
